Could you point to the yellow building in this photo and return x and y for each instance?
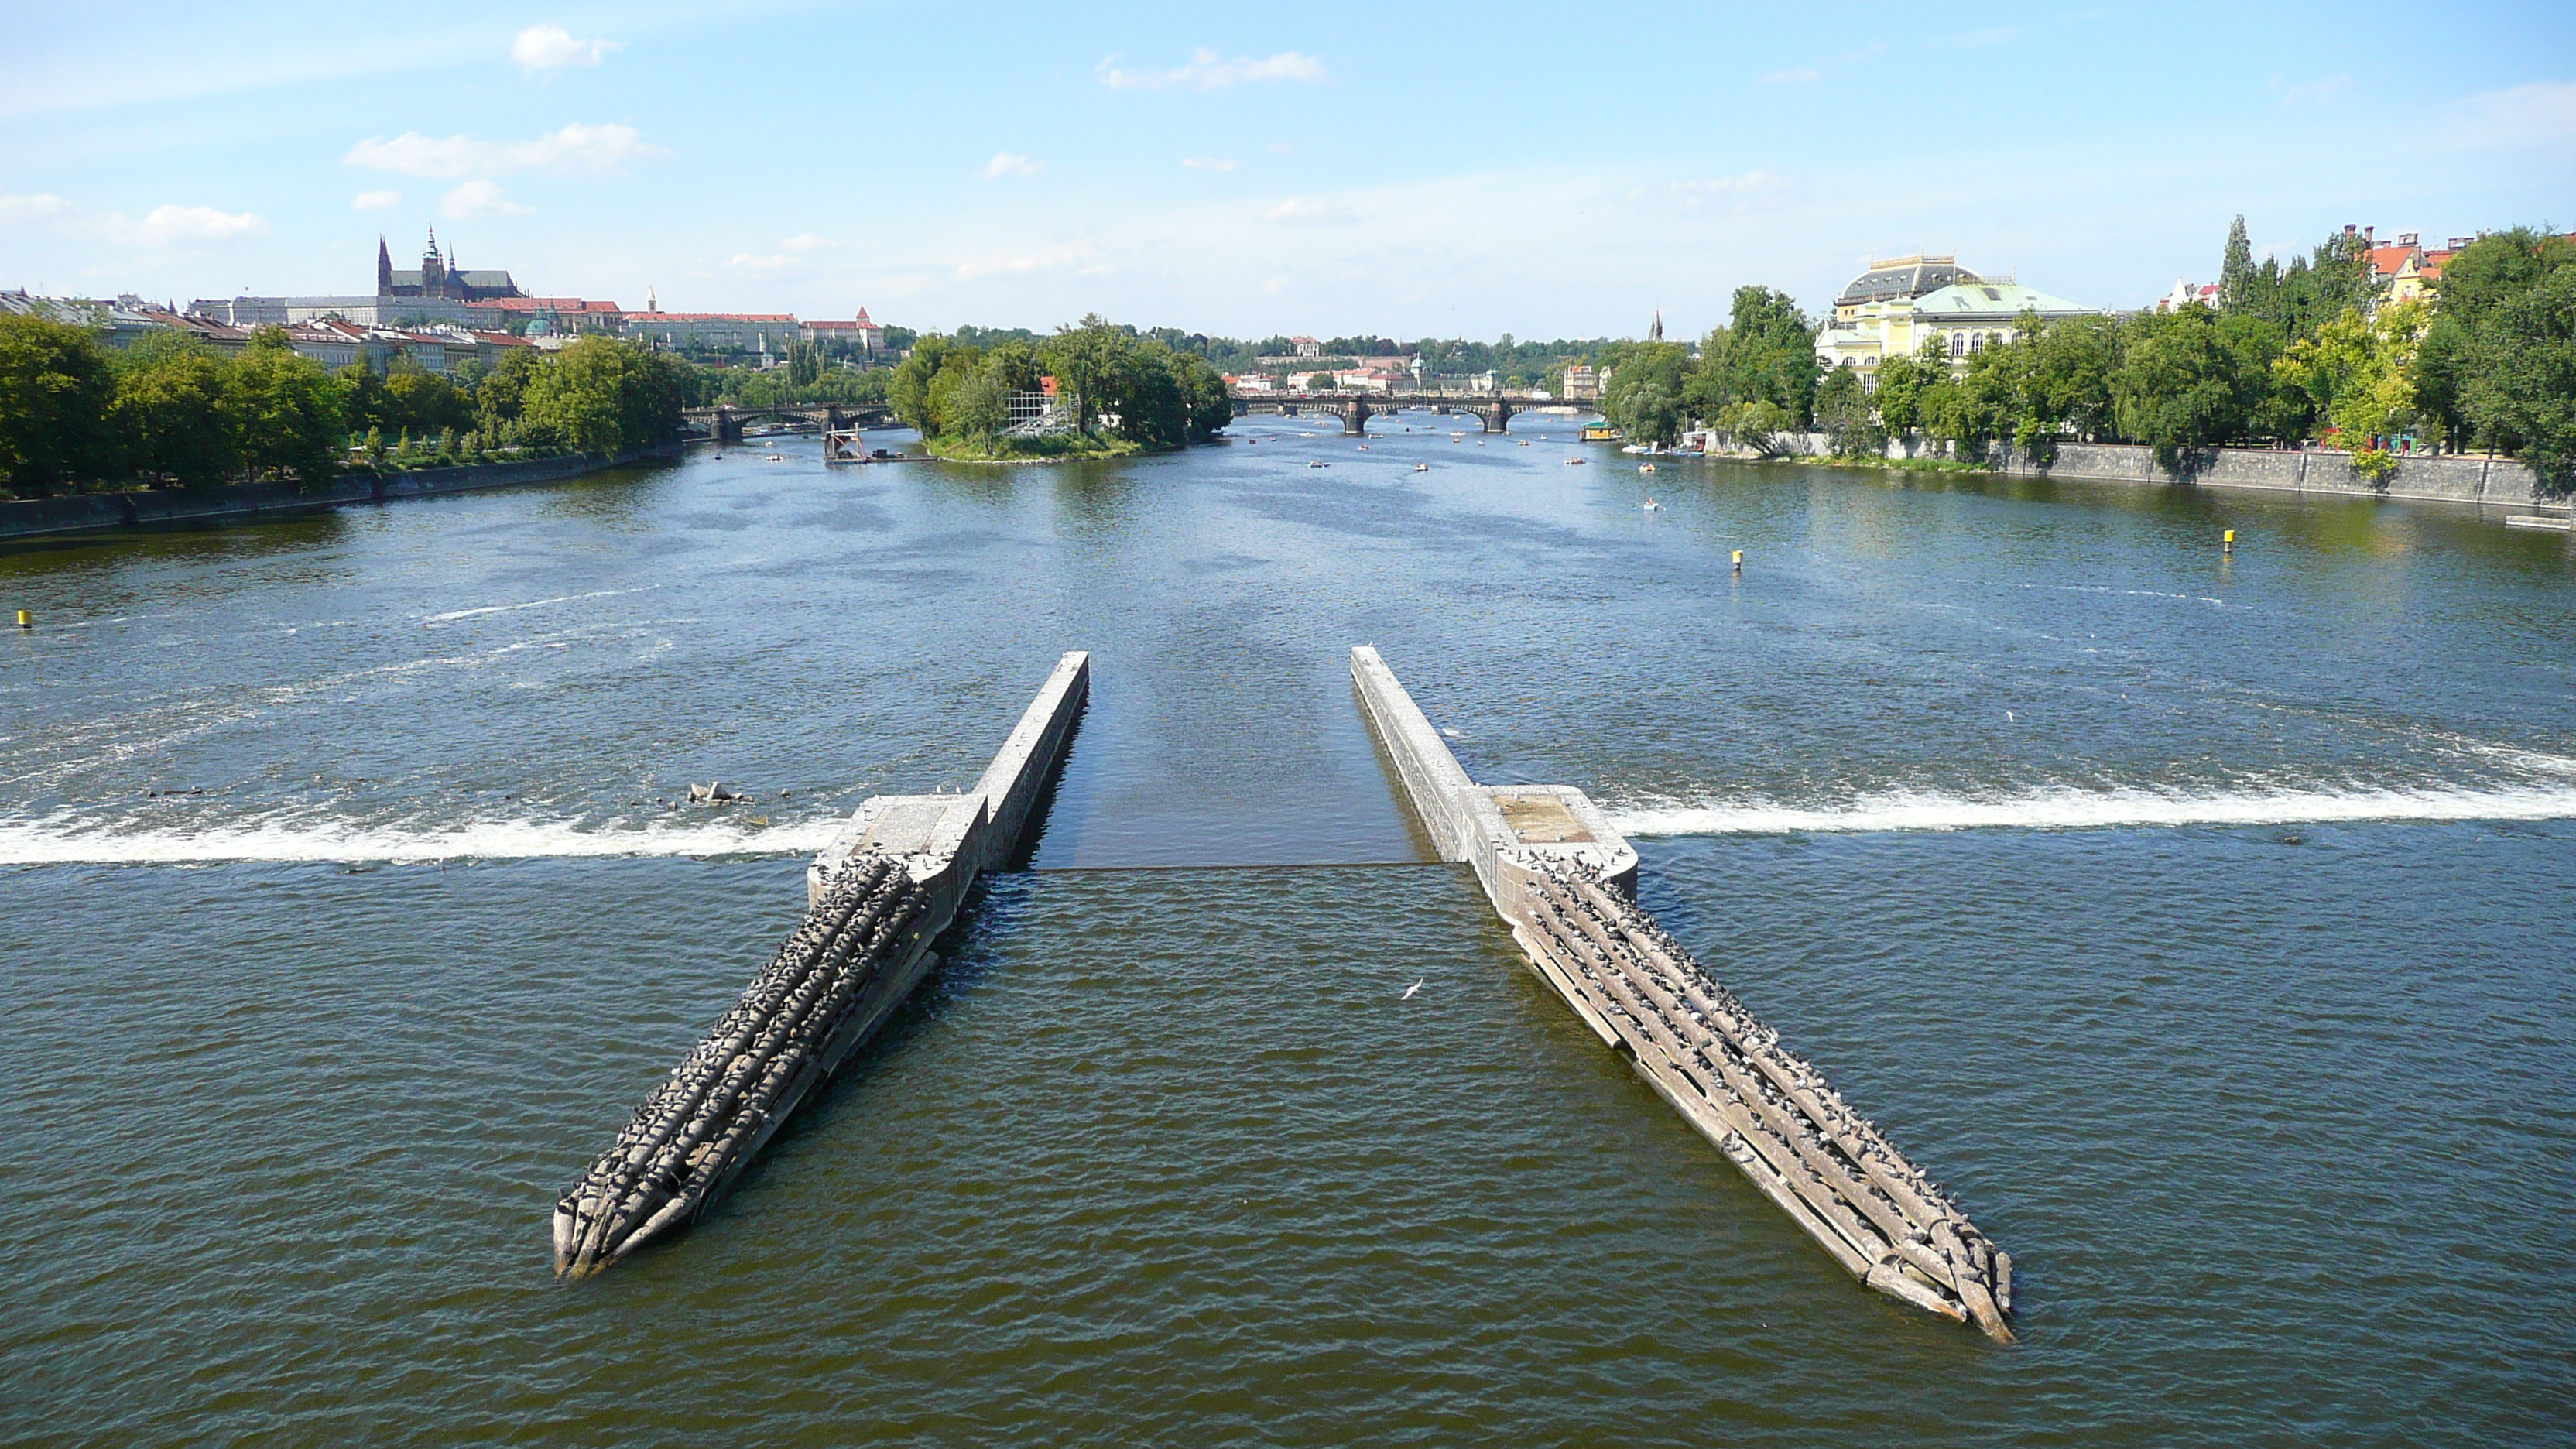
(1889, 310)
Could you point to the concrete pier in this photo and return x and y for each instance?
(889, 883)
(1562, 877)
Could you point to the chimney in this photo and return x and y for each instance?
(2366, 238)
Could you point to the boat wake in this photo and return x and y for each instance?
(2069, 809)
(64, 840)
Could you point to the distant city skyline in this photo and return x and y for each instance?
(1439, 171)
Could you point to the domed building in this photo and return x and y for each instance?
(1889, 311)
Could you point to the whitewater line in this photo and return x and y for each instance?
(61, 842)
(2069, 809)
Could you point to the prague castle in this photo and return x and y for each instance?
(440, 278)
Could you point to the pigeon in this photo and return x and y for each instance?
(1408, 991)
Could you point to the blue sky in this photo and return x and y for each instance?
(1408, 170)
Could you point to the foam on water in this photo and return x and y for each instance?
(68, 840)
(2069, 809)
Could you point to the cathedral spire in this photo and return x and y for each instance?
(384, 269)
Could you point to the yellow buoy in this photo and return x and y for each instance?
(1739, 560)
(26, 619)
(2230, 542)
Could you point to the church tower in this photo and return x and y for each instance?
(433, 272)
(384, 269)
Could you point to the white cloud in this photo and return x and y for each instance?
(594, 150)
(185, 226)
(164, 228)
(1006, 164)
(1300, 210)
(1209, 163)
(377, 200)
(479, 198)
(1208, 71)
(15, 210)
(2314, 93)
(551, 47)
(2542, 114)
(1759, 186)
(791, 253)
(1066, 259)
(1799, 76)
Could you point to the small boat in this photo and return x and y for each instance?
(1363, 447)
(1645, 467)
(1524, 442)
(1421, 467)
(1600, 433)
(1574, 462)
(1317, 463)
(773, 457)
(1653, 507)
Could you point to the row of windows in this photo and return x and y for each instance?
(1962, 344)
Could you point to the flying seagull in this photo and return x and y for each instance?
(1408, 991)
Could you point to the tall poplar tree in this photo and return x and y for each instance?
(2236, 271)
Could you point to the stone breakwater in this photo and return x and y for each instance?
(795, 1023)
(1560, 874)
(890, 881)
(1771, 1112)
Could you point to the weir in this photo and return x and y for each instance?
(877, 896)
(1561, 876)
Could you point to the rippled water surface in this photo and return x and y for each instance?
(2207, 925)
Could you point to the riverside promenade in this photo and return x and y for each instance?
(1564, 880)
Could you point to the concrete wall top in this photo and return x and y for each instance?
(1479, 825)
(961, 835)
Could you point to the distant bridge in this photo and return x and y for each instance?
(1493, 410)
(725, 422)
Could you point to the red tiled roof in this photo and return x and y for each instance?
(2384, 261)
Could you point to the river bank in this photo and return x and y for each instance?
(85, 513)
(2484, 482)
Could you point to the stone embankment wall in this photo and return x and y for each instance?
(2500, 482)
(91, 512)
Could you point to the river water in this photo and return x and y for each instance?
(2206, 924)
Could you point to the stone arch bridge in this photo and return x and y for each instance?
(725, 422)
(1494, 411)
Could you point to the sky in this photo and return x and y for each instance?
(1409, 170)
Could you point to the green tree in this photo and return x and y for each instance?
(1211, 405)
(2524, 385)
(1771, 352)
(578, 397)
(1085, 358)
(2236, 277)
(1647, 388)
(56, 389)
(1844, 415)
(1761, 425)
(1320, 382)
(288, 414)
(1707, 392)
(503, 395)
(1901, 384)
(172, 411)
(908, 391)
(2189, 381)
